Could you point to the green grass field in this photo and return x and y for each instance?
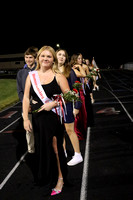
(8, 92)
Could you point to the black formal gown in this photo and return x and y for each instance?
(47, 124)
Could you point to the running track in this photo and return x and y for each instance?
(107, 170)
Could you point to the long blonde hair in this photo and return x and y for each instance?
(49, 48)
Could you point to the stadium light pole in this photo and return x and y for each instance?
(58, 45)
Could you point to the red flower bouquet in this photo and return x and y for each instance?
(77, 85)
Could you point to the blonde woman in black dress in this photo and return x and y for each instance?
(50, 166)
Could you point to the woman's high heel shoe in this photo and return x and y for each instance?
(97, 87)
(55, 191)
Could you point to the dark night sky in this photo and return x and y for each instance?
(107, 35)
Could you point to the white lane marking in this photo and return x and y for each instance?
(83, 193)
(120, 104)
(10, 124)
(14, 105)
(12, 171)
(107, 83)
(123, 82)
(109, 103)
(117, 99)
(117, 84)
(9, 114)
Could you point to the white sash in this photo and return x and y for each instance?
(40, 91)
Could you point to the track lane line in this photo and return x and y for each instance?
(13, 170)
(84, 183)
(10, 124)
(120, 104)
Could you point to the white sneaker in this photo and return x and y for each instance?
(92, 101)
(75, 160)
(31, 151)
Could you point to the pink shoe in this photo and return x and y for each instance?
(54, 192)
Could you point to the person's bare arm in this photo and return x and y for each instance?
(26, 98)
(86, 69)
(79, 71)
(26, 105)
(63, 83)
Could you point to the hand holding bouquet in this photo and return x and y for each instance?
(90, 76)
(95, 71)
(71, 96)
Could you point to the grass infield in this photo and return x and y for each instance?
(8, 92)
